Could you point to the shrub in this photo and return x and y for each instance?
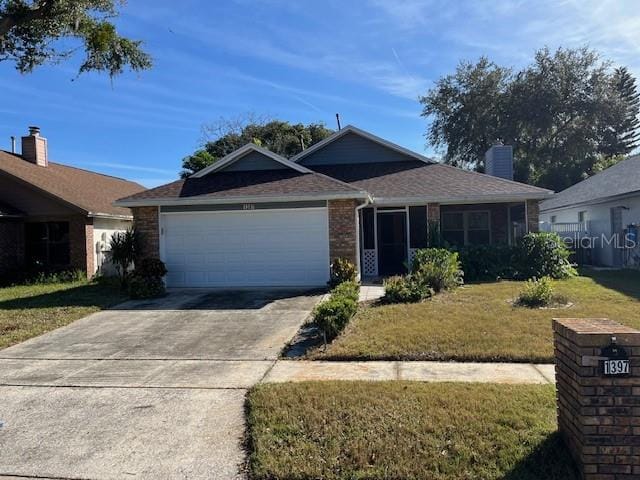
(342, 270)
(124, 249)
(488, 262)
(332, 315)
(437, 267)
(61, 276)
(145, 287)
(40, 276)
(146, 279)
(544, 254)
(405, 289)
(536, 293)
(350, 290)
(151, 267)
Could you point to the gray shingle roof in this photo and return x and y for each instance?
(258, 183)
(435, 181)
(621, 178)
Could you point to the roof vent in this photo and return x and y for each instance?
(498, 161)
(34, 148)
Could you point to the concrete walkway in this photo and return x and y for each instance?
(299, 371)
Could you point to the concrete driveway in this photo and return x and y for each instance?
(148, 390)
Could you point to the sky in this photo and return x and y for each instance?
(296, 60)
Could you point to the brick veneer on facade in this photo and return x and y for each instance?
(598, 417)
(80, 242)
(342, 229)
(146, 223)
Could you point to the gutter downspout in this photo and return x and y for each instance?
(368, 201)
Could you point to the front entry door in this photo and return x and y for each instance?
(392, 243)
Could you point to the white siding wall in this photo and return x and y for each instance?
(103, 229)
(599, 218)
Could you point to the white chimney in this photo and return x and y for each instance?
(34, 148)
(498, 161)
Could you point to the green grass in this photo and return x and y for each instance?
(478, 322)
(402, 430)
(30, 310)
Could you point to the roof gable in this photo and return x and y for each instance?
(251, 157)
(351, 145)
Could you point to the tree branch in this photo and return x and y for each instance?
(8, 21)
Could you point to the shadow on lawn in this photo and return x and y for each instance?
(626, 282)
(549, 461)
(88, 295)
(111, 296)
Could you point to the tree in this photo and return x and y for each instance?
(31, 32)
(278, 136)
(625, 137)
(562, 113)
(466, 111)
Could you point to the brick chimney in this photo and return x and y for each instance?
(498, 161)
(34, 148)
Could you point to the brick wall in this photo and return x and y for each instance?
(146, 222)
(533, 216)
(80, 242)
(342, 230)
(598, 417)
(11, 245)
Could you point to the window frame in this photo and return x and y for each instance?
(582, 216)
(47, 243)
(465, 224)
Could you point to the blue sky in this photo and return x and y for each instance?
(296, 60)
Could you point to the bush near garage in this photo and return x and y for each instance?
(332, 315)
(146, 280)
(342, 270)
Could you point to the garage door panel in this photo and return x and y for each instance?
(257, 248)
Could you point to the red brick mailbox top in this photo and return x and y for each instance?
(598, 412)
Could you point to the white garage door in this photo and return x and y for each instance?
(246, 248)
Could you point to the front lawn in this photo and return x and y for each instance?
(478, 322)
(30, 310)
(403, 430)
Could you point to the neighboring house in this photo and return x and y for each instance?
(255, 218)
(602, 212)
(56, 216)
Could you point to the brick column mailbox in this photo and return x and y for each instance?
(598, 393)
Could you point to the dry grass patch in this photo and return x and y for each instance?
(480, 323)
(402, 430)
(30, 310)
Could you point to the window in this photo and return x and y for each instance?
(466, 228)
(47, 244)
(582, 216)
(553, 218)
